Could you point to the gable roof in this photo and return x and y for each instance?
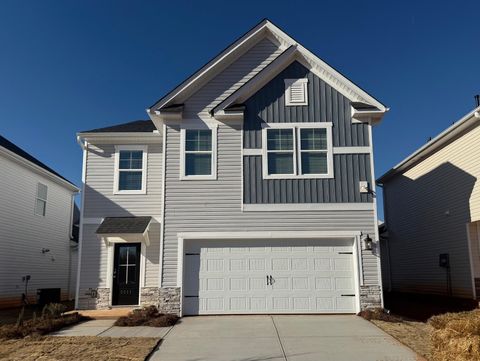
(8, 145)
(444, 138)
(267, 29)
(136, 126)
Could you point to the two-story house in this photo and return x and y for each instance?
(432, 211)
(249, 190)
(37, 248)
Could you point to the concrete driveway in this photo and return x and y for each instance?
(279, 338)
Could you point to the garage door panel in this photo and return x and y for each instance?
(308, 276)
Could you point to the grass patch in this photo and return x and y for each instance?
(78, 348)
(52, 319)
(456, 336)
(147, 316)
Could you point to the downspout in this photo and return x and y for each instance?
(387, 243)
(84, 145)
(70, 237)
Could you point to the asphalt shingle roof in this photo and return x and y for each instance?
(5, 143)
(129, 225)
(137, 126)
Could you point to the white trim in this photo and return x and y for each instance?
(251, 151)
(288, 96)
(242, 190)
(354, 236)
(375, 213)
(285, 207)
(32, 166)
(118, 149)
(121, 138)
(351, 150)
(213, 152)
(162, 220)
(81, 224)
(266, 28)
(296, 150)
(212, 64)
(470, 257)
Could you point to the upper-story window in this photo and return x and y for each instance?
(297, 150)
(41, 200)
(296, 92)
(198, 153)
(130, 169)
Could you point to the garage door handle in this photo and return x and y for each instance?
(267, 280)
(349, 295)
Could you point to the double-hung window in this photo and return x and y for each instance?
(198, 158)
(130, 169)
(297, 150)
(41, 200)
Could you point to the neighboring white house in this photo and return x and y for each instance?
(432, 215)
(249, 190)
(36, 243)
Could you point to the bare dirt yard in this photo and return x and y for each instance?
(77, 348)
(413, 334)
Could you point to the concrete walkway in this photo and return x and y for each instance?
(105, 328)
(279, 338)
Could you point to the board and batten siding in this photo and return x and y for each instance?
(216, 206)
(23, 234)
(230, 79)
(427, 211)
(325, 104)
(100, 202)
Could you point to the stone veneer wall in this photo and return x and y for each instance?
(100, 301)
(169, 300)
(370, 297)
(149, 296)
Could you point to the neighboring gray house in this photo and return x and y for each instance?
(37, 251)
(249, 190)
(432, 215)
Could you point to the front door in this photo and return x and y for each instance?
(126, 274)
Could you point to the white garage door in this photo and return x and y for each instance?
(265, 276)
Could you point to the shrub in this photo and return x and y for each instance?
(53, 310)
(456, 336)
(379, 314)
(147, 316)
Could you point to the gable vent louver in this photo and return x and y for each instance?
(296, 92)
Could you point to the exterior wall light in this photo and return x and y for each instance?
(368, 243)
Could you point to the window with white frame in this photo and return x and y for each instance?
(297, 150)
(296, 92)
(198, 153)
(130, 169)
(41, 200)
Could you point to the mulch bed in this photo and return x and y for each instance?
(147, 316)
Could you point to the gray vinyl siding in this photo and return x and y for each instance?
(349, 170)
(325, 104)
(427, 216)
(215, 206)
(230, 79)
(100, 201)
(23, 234)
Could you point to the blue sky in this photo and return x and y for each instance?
(67, 66)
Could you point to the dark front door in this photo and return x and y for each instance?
(126, 274)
